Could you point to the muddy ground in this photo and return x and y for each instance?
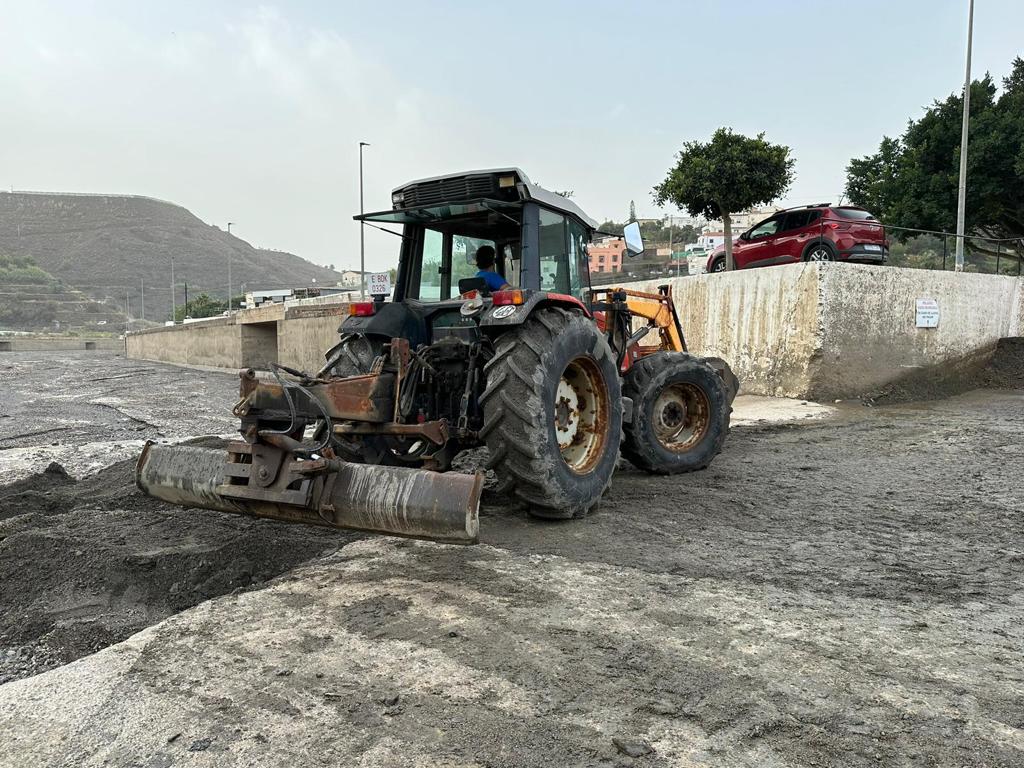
(838, 593)
(87, 562)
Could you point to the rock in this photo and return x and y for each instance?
(53, 468)
(390, 701)
(632, 747)
(200, 745)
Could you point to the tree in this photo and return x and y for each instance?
(730, 173)
(202, 305)
(912, 180)
(632, 211)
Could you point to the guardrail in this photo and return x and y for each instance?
(909, 248)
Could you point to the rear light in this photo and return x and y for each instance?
(501, 298)
(837, 225)
(362, 309)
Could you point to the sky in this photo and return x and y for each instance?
(252, 113)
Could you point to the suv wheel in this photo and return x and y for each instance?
(718, 265)
(820, 252)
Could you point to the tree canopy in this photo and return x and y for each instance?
(912, 181)
(730, 173)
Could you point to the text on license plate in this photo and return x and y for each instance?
(872, 247)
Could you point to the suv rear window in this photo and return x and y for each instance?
(854, 213)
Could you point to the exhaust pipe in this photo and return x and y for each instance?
(415, 503)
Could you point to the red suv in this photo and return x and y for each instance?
(813, 233)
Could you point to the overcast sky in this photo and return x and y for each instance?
(252, 113)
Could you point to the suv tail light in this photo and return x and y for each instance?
(837, 225)
(362, 309)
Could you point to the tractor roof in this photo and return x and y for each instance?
(506, 184)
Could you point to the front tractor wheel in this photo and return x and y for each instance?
(553, 413)
(681, 413)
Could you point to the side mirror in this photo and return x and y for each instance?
(745, 235)
(634, 240)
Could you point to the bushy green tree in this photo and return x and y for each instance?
(728, 174)
(202, 305)
(912, 181)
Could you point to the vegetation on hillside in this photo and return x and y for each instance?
(110, 245)
(22, 270)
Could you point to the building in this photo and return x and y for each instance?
(258, 298)
(711, 240)
(349, 278)
(606, 255)
(745, 219)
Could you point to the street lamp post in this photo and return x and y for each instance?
(961, 201)
(362, 228)
(172, 289)
(229, 267)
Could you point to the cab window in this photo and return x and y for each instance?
(430, 266)
(562, 254)
(554, 267)
(446, 258)
(579, 262)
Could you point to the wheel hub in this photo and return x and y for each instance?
(581, 415)
(681, 416)
(566, 414)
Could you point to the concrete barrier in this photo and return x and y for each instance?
(216, 342)
(29, 343)
(827, 331)
(820, 331)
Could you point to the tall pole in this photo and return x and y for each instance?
(362, 228)
(172, 289)
(961, 202)
(671, 255)
(229, 266)
(127, 310)
(142, 291)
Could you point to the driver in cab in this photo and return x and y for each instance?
(485, 265)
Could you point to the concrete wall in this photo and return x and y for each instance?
(307, 332)
(763, 322)
(804, 330)
(258, 344)
(213, 342)
(868, 334)
(840, 330)
(58, 343)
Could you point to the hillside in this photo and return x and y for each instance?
(107, 244)
(31, 299)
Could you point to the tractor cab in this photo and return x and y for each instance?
(539, 241)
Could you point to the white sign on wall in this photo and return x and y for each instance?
(378, 284)
(927, 313)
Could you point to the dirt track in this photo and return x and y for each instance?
(837, 593)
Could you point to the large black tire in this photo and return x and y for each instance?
(357, 355)
(553, 413)
(680, 413)
(356, 359)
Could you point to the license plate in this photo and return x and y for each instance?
(872, 247)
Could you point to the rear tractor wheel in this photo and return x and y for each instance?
(355, 356)
(681, 410)
(552, 413)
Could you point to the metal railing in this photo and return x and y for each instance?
(909, 248)
(915, 248)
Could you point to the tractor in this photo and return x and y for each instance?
(553, 376)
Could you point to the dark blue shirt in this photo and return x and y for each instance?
(495, 282)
